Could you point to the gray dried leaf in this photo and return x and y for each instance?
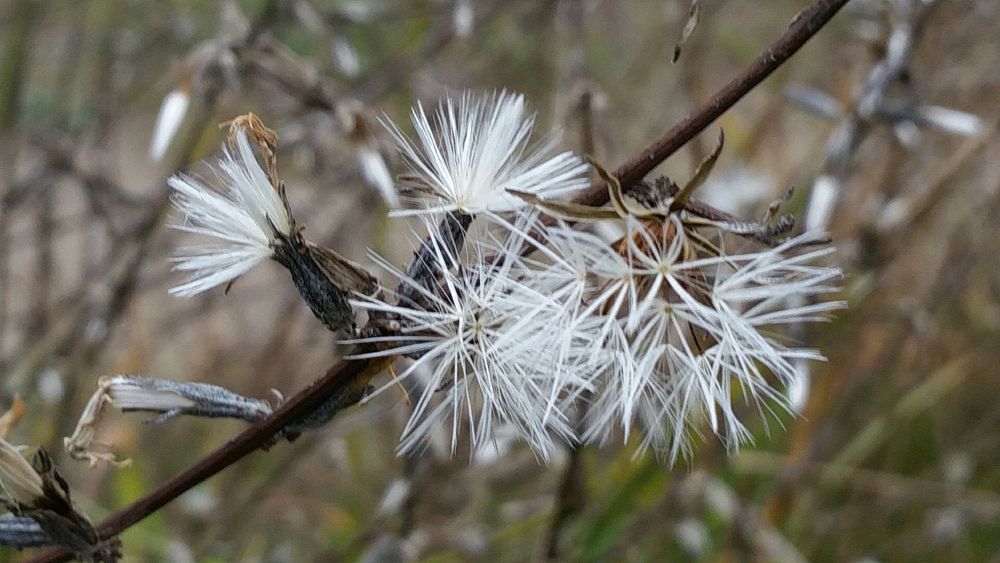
(694, 15)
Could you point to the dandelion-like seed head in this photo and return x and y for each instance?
(685, 329)
(543, 329)
(244, 217)
(470, 150)
(484, 338)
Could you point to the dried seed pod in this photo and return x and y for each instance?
(325, 279)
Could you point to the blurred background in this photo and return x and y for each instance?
(885, 122)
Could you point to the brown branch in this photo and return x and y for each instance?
(351, 376)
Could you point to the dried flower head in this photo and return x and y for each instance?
(684, 328)
(167, 398)
(471, 150)
(247, 217)
(253, 219)
(484, 338)
(37, 491)
(694, 334)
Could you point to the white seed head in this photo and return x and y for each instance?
(240, 217)
(471, 150)
(680, 338)
(488, 343)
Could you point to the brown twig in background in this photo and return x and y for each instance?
(349, 377)
(804, 25)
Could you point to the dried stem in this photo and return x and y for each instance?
(351, 376)
(569, 497)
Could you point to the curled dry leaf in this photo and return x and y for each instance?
(80, 444)
(694, 15)
(130, 393)
(263, 137)
(12, 417)
(700, 174)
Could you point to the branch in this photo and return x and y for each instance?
(803, 26)
(351, 376)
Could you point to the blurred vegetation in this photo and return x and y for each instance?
(895, 456)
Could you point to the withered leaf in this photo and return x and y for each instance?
(700, 174)
(694, 15)
(264, 138)
(13, 416)
(566, 209)
(617, 195)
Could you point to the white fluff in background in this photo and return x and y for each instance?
(376, 173)
(172, 111)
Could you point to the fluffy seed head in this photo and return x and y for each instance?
(685, 335)
(243, 218)
(485, 340)
(471, 150)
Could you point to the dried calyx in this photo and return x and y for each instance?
(649, 200)
(168, 399)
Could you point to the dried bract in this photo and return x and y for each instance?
(18, 479)
(38, 492)
(12, 417)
